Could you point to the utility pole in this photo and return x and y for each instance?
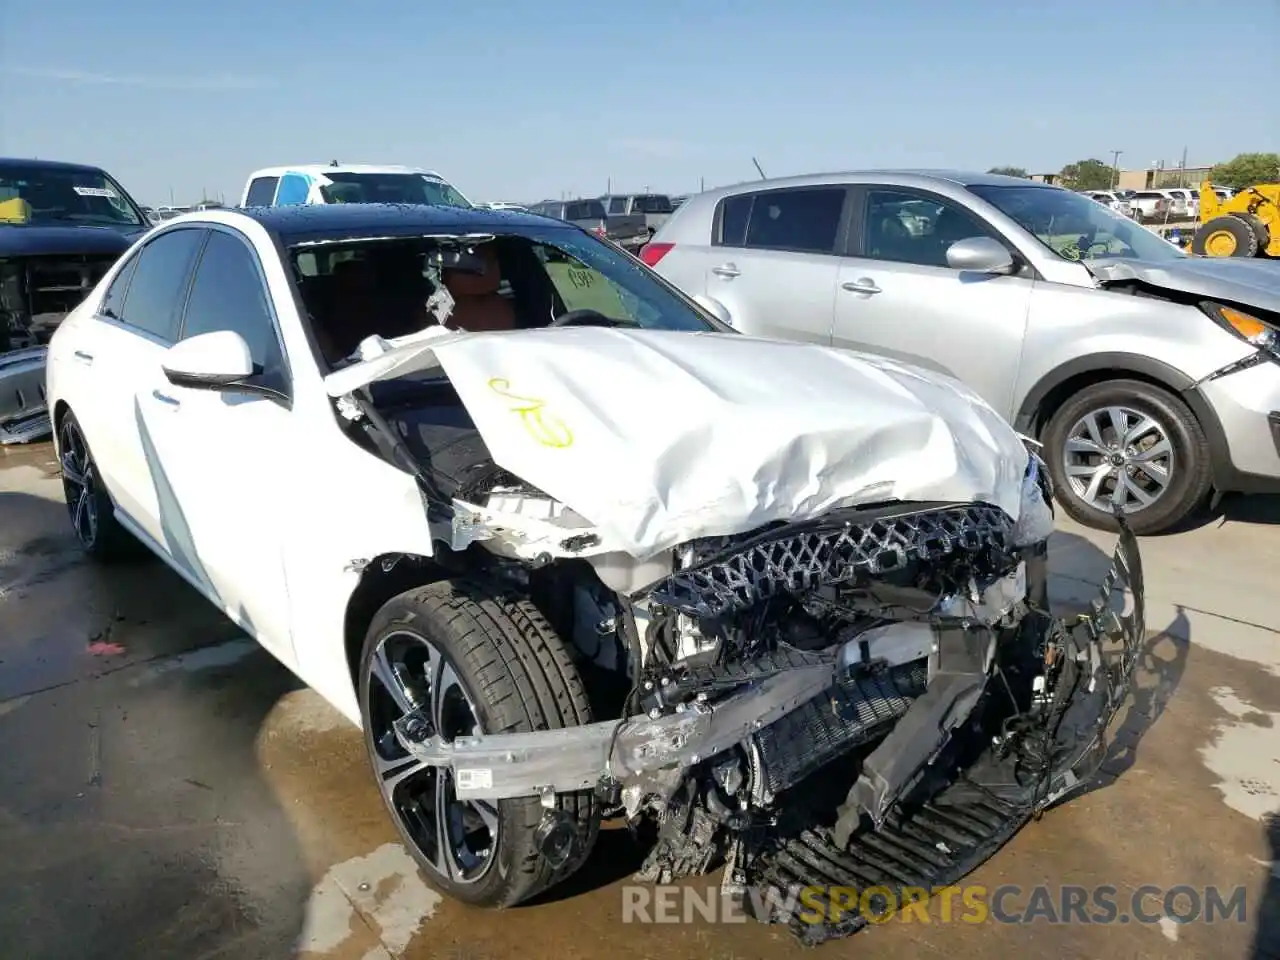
(1115, 167)
(1182, 168)
(702, 184)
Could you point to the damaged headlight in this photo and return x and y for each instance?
(1250, 329)
(1035, 512)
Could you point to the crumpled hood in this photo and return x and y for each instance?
(1250, 282)
(659, 437)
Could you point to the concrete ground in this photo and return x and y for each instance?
(168, 790)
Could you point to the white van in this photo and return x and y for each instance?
(348, 183)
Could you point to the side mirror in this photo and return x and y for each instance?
(715, 308)
(979, 255)
(210, 361)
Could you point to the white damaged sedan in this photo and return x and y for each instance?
(566, 549)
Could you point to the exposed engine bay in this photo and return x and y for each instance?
(36, 292)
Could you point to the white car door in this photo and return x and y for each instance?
(897, 297)
(774, 263)
(226, 456)
(136, 323)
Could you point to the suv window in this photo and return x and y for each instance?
(804, 219)
(160, 281)
(261, 192)
(618, 205)
(913, 228)
(228, 294)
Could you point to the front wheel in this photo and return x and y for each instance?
(1132, 445)
(479, 660)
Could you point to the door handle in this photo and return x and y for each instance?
(167, 400)
(83, 357)
(726, 270)
(861, 285)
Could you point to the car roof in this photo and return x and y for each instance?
(300, 223)
(322, 169)
(921, 178)
(12, 162)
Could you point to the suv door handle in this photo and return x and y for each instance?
(83, 357)
(167, 400)
(861, 285)
(726, 270)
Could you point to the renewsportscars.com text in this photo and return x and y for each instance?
(969, 904)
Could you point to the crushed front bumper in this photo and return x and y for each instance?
(24, 415)
(1052, 752)
(1034, 735)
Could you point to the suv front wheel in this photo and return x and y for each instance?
(1129, 444)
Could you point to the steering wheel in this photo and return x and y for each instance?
(586, 317)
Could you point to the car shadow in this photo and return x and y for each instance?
(134, 800)
(1161, 658)
(1266, 944)
(1258, 508)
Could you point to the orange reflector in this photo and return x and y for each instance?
(1244, 324)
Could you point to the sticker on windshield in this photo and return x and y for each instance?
(96, 192)
(546, 428)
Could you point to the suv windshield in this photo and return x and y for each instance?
(390, 188)
(36, 194)
(1075, 227)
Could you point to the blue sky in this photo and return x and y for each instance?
(525, 100)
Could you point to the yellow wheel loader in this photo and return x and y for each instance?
(1246, 225)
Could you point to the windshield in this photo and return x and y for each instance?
(42, 195)
(390, 188)
(1075, 227)
(357, 288)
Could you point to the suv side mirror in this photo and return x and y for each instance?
(210, 361)
(980, 255)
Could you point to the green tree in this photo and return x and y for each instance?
(1086, 175)
(1246, 169)
(1009, 171)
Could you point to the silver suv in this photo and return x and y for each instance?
(1152, 378)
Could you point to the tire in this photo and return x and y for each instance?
(1188, 467)
(1260, 230)
(517, 675)
(1231, 234)
(92, 512)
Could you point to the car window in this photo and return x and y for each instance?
(618, 205)
(261, 192)
(584, 210)
(293, 190)
(113, 302)
(734, 214)
(804, 219)
(160, 281)
(908, 228)
(228, 294)
(653, 203)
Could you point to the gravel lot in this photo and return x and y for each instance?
(168, 790)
